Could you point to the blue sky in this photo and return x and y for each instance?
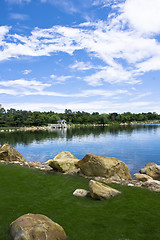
(94, 55)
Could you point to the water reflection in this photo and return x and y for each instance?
(29, 137)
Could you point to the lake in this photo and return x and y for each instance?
(135, 145)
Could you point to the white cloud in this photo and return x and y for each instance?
(53, 76)
(107, 45)
(24, 84)
(115, 74)
(106, 3)
(103, 93)
(41, 42)
(82, 66)
(22, 87)
(3, 32)
(12, 92)
(26, 72)
(143, 15)
(125, 51)
(59, 79)
(152, 64)
(63, 78)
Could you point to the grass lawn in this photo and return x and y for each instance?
(133, 215)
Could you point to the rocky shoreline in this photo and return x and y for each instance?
(21, 129)
(101, 169)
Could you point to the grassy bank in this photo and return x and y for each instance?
(133, 215)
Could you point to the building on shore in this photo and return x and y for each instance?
(60, 124)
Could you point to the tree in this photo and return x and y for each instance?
(54, 118)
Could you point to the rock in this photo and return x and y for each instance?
(131, 185)
(64, 162)
(143, 170)
(155, 182)
(36, 227)
(80, 193)
(152, 170)
(9, 154)
(142, 177)
(150, 164)
(39, 165)
(31, 164)
(49, 161)
(101, 191)
(109, 180)
(92, 165)
(153, 185)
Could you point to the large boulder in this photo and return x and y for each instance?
(152, 170)
(92, 165)
(36, 226)
(101, 191)
(9, 154)
(64, 162)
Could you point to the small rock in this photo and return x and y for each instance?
(131, 185)
(80, 193)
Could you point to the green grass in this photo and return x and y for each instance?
(133, 215)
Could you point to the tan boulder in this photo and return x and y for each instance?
(9, 154)
(92, 165)
(142, 177)
(101, 191)
(64, 162)
(143, 170)
(36, 227)
(152, 170)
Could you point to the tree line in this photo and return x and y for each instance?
(20, 118)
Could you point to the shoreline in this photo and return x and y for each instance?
(45, 128)
(152, 185)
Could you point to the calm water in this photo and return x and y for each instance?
(135, 145)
